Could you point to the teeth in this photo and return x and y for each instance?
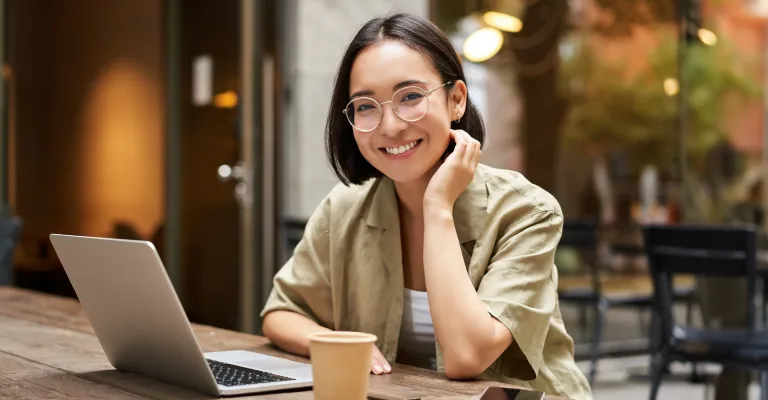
(401, 149)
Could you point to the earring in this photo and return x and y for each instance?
(458, 118)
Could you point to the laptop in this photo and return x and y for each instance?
(140, 323)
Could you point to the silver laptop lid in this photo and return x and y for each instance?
(134, 310)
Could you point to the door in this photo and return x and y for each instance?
(220, 158)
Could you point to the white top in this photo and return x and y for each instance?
(417, 333)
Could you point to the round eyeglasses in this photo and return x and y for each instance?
(410, 104)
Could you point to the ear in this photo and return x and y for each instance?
(457, 100)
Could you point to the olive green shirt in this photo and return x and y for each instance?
(347, 274)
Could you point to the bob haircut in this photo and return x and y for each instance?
(419, 34)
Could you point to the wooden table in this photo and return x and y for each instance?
(48, 351)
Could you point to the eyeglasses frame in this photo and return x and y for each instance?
(380, 106)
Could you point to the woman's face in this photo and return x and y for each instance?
(402, 150)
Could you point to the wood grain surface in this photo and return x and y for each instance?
(48, 350)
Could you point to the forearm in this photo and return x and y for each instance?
(289, 330)
(468, 334)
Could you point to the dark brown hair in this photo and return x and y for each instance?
(417, 33)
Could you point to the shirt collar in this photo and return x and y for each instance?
(469, 211)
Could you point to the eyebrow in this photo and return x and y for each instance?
(397, 86)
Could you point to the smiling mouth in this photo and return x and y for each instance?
(401, 149)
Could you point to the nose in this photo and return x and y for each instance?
(390, 125)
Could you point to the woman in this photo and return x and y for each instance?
(447, 261)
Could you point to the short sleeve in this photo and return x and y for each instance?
(518, 288)
(302, 285)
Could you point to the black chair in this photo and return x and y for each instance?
(10, 231)
(715, 251)
(583, 235)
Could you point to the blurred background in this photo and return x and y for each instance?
(198, 125)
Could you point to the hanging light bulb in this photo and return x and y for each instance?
(707, 37)
(482, 44)
(502, 21)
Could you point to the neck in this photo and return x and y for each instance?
(410, 196)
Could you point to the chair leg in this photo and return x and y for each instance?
(658, 368)
(764, 305)
(642, 323)
(691, 304)
(695, 375)
(583, 318)
(597, 335)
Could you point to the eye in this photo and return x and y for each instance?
(412, 96)
(364, 107)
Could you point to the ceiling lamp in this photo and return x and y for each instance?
(482, 44)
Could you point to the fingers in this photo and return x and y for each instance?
(472, 149)
(379, 365)
(458, 135)
(471, 155)
(478, 153)
(461, 144)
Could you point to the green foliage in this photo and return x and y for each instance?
(619, 17)
(609, 110)
(624, 15)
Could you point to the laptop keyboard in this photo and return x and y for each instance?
(234, 375)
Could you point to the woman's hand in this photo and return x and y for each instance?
(379, 365)
(455, 174)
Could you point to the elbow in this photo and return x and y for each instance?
(464, 365)
(273, 327)
(267, 327)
